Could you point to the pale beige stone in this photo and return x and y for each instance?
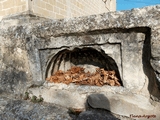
(63, 12)
(8, 4)
(52, 2)
(58, 16)
(2, 13)
(0, 6)
(49, 7)
(19, 2)
(60, 5)
(46, 1)
(65, 8)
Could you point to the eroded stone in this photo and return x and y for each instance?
(130, 38)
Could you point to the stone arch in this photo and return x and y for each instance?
(86, 57)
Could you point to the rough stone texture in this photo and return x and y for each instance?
(25, 110)
(117, 99)
(89, 115)
(98, 101)
(130, 38)
(114, 45)
(120, 104)
(100, 114)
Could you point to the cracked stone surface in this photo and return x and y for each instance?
(130, 38)
(25, 110)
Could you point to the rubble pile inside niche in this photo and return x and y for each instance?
(78, 76)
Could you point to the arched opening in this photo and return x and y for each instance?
(88, 58)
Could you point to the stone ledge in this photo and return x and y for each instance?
(120, 100)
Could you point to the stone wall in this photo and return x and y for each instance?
(56, 9)
(130, 38)
(9, 7)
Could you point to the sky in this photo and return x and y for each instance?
(129, 4)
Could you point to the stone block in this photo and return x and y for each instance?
(20, 2)
(49, 7)
(24, 7)
(60, 5)
(1, 6)
(42, 4)
(2, 13)
(63, 12)
(52, 2)
(46, 1)
(58, 16)
(56, 10)
(8, 4)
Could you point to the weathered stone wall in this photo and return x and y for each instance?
(56, 9)
(9, 7)
(136, 34)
